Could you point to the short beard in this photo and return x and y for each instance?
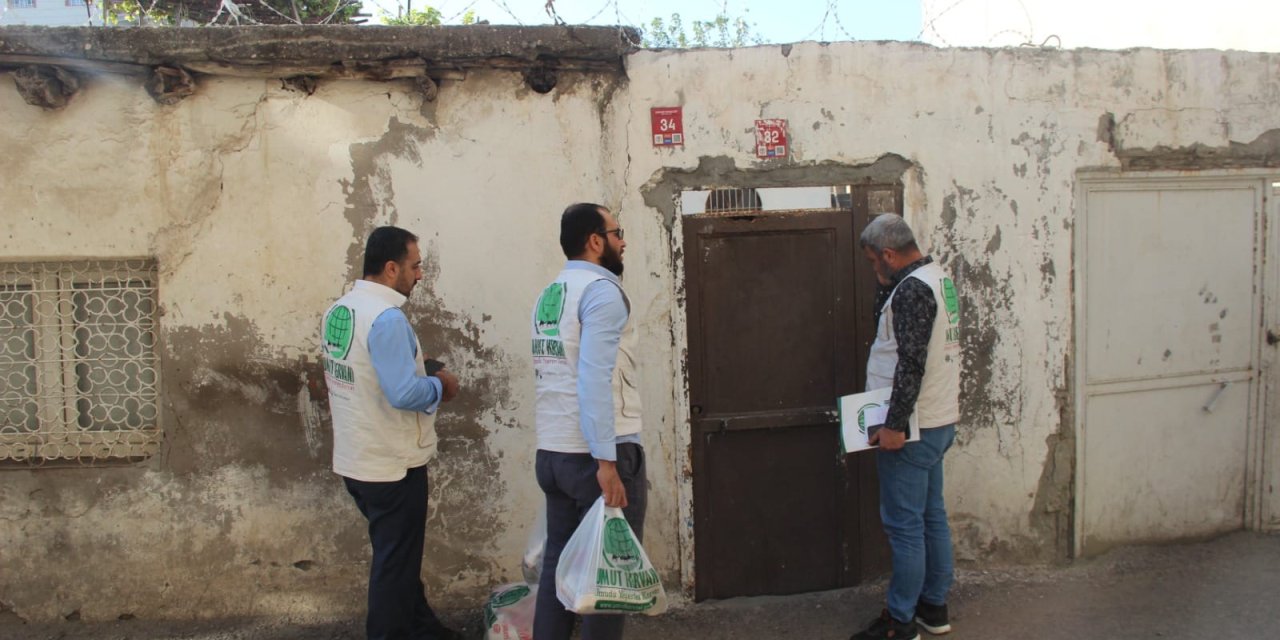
(611, 260)
(405, 287)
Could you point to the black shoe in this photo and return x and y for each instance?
(933, 618)
(886, 627)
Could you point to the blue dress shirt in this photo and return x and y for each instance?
(602, 312)
(394, 354)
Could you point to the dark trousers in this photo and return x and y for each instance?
(397, 515)
(569, 482)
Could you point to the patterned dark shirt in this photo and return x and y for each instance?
(914, 309)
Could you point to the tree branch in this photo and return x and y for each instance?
(277, 12)
(342, 4)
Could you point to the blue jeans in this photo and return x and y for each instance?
(915, 519)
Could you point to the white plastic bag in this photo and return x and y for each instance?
(603, 569)
(531, 564)
(509, 613)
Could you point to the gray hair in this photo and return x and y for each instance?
(887, 231)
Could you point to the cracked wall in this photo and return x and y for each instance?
(255, 201)
(993, 140)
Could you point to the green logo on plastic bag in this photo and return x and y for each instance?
(339, 329)
(620, 548)
(501, 600)
(508, 597)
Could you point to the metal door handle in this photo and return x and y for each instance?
(1208, 406)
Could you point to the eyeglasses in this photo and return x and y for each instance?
(606, 232)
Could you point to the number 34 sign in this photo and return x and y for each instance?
(668, 126)
(771, 138)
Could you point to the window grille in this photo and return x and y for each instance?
(22, 4)
(78, 365)
(733, 200)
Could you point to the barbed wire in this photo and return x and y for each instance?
(603, 8)
(1028, 37)
(926, 24)
(832, 13)
(822, 26)
(463, 12)
(454, 10)
(835, 13)
(503, 5)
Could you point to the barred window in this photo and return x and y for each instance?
(78, 365)
(22, 4)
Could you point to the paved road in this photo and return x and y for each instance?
(1224, 588)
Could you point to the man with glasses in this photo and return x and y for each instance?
(588, 405)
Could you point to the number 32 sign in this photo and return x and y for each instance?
(771, 138)
(668, 126)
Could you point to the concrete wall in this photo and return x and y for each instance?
(993, 139)
(255, 201)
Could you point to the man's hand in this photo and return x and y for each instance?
(615, 495)
(888, 439)
(450, 384)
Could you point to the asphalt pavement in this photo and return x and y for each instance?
(1228, 587)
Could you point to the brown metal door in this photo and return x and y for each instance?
(779, 326)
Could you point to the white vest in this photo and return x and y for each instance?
(939, 402)
(372, 440)
(557, 336)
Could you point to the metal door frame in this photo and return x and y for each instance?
(1265, 237)
(783, 222)
(906, 187)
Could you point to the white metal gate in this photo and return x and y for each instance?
(1169, 319)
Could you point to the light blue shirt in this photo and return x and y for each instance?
(394, 354)
(602, 312)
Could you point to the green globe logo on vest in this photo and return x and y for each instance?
(547, 321)
(952, 302)
(339, 329)
(551, 309)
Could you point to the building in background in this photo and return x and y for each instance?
(53, 13)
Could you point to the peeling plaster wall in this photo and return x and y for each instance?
(994, 139)
(255, 201)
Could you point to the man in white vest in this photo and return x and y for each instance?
(588, 405)
(384, 404)
(917, 353)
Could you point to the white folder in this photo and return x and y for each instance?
(861, 412)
